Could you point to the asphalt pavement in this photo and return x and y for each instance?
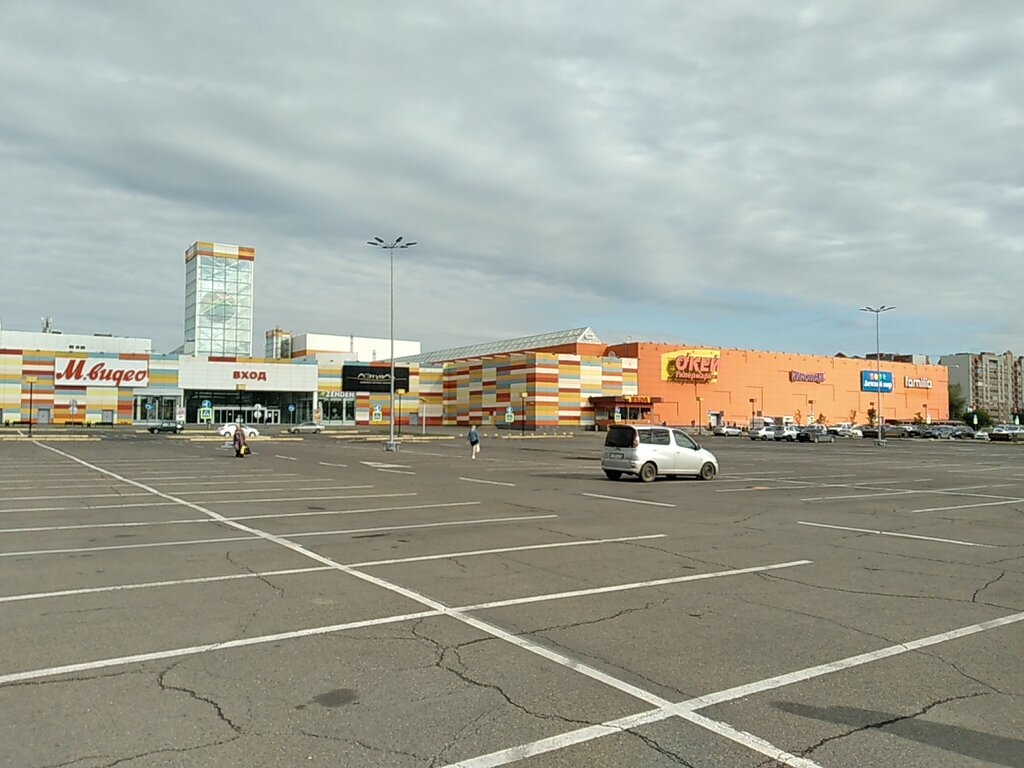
(324, 602)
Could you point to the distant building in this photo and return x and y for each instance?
(218, 300)
(990, 381)
(362, 348)
(278, 344)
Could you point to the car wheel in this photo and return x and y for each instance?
(707, 472)
(152, 431)
(832, 438)
(816, 438)
(648, 472)
(612, 474)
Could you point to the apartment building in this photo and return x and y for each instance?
(994, 382)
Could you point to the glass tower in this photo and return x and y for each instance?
(218, 300)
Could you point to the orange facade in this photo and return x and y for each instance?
(736, 384)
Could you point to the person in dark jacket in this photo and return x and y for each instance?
(238, 440)
(474, 441)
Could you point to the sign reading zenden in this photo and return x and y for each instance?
(692, 366)
(372, 378)
(876, 381)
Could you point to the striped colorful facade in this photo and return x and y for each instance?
(558, 388)
(27, 383)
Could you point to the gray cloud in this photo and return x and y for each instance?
(718, 174)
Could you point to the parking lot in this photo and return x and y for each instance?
(323, 602)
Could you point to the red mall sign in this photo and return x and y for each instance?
(701, 367)
(103, 372)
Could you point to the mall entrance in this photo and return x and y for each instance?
(250, 407)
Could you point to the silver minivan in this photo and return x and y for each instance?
(647, 452)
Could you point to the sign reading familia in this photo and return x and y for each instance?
(372, 378)
(691, 365)
(911, 383)
(876, 381)
(102, 372)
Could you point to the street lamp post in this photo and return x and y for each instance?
(700, 403)
(522, 427)
(377, 242)
(752, 401)
(400, 393)
(810, 416)
(31, 391)
(880, 440)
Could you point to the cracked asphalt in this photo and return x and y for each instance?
(325, 603)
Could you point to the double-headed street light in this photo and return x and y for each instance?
(377, 242)
(880, 440)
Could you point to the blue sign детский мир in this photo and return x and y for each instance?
(870, 381)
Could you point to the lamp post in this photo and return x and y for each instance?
(522, 427)
(880, 440)
(400, 393)
(31, 391)
(810, 416)
(700, 403)
(377, 242)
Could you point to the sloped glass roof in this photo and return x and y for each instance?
(573, 336)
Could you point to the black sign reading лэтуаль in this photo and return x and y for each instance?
(372, 378)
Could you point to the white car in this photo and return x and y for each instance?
(651, 451)
(764, 433)
(850, 432)
(726, 430)
(228, 430)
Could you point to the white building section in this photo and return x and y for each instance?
(354, 348)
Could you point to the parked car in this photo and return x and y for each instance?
(763, 433)
(306, 427)
(165, 426)
(815, 433)
(980, 434)
(787, 433)
(962, 433)
(1006, 432)
(229, 429)
(651, 451)
(726, 430)
(849, 432)
(940, 432)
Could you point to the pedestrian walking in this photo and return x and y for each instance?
(474, 441)
(238, 440)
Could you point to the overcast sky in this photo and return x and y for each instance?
(739, 174)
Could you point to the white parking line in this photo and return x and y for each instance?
(301, 534)
(900, 535)
(488, 482)
(92, 507)
(272, 515)
(968, 506)
(286, 458)
(328, 464)
(396, 471)
(633, 585)
(958, 491)
(631, 501)
(293, 571)
(455, 612)
(553, 743)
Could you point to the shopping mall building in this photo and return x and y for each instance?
(561, 379)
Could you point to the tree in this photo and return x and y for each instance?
(871, 415)
(957, 402)
(984, 418)
(918, 418)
